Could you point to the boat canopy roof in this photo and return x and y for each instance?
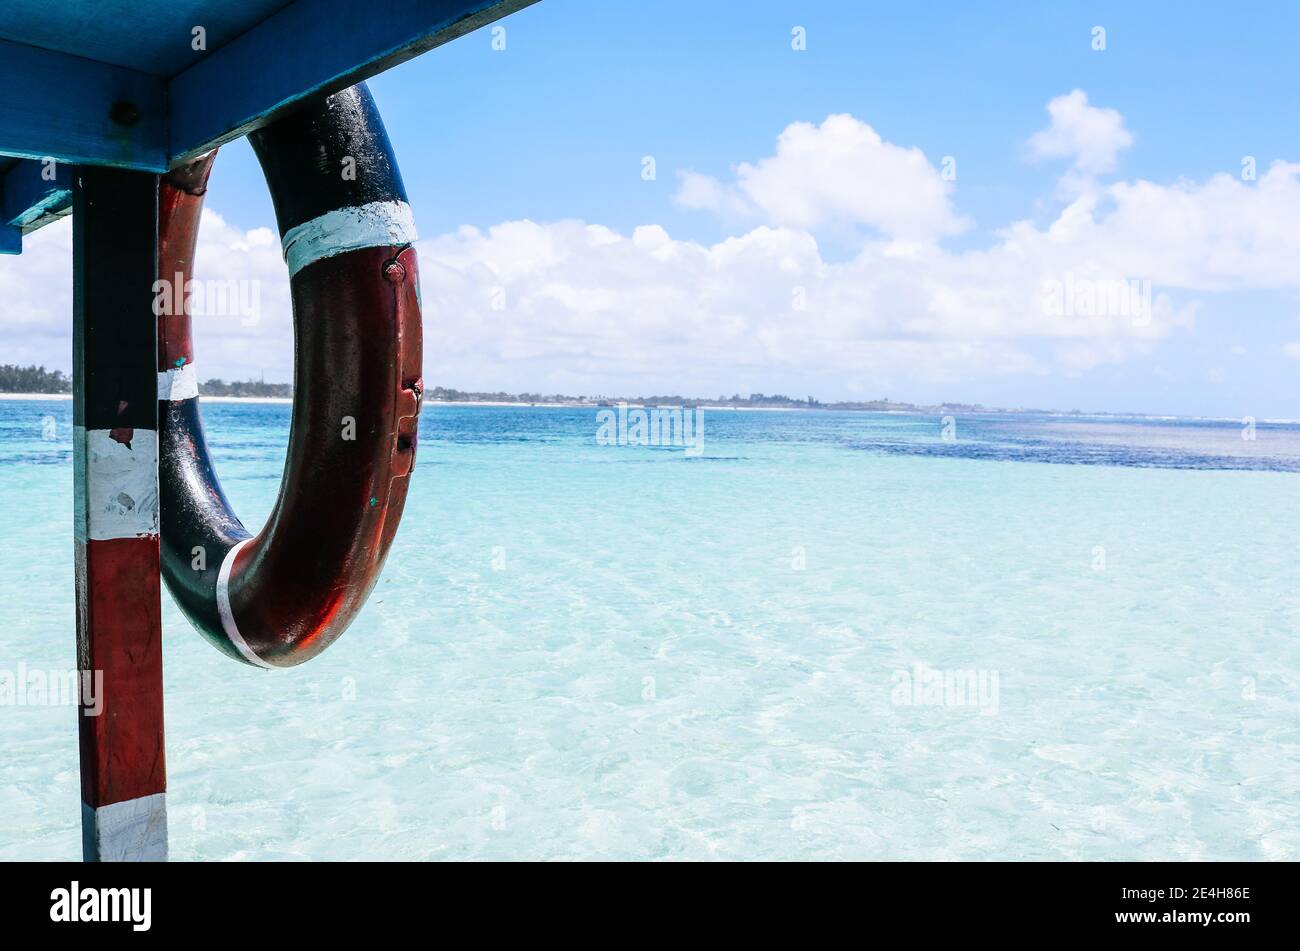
(149, 84)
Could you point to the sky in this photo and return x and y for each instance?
(1089, 206)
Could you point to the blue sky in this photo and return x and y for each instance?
(556, 125)
(554, 129)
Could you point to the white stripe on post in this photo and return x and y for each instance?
(130, 831)
(119, 474)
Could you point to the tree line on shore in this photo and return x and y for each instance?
(753, 400)
(34, 379)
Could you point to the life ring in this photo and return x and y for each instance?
(280, 597)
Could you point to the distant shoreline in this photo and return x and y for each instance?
(207, 399)
(914, 411)
(555, 405)
(631, 404)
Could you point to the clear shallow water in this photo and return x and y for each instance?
(584, 651)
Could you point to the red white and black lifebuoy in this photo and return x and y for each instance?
(280, 597)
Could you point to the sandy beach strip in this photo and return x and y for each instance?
(488, 403)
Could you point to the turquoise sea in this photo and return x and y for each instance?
(584, 651)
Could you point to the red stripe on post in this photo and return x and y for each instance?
(122, 752)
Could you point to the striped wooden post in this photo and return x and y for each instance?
(115, 411)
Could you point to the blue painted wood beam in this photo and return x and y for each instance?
(311, 47)
(32, 194)
(87, 112)
(80, 111)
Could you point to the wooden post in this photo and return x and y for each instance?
(115, 412)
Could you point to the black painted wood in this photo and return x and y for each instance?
(114, 262)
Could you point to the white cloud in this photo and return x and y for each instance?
(36, 296)
(577, 307)
(699, 192)
(622, 313)
(839, 173)
(36, 299)
(1090, 137)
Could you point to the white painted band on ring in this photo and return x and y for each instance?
(181, 383)
(375, 224)
(223, 608)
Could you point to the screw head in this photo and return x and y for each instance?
(124, 113)
(394, 272)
